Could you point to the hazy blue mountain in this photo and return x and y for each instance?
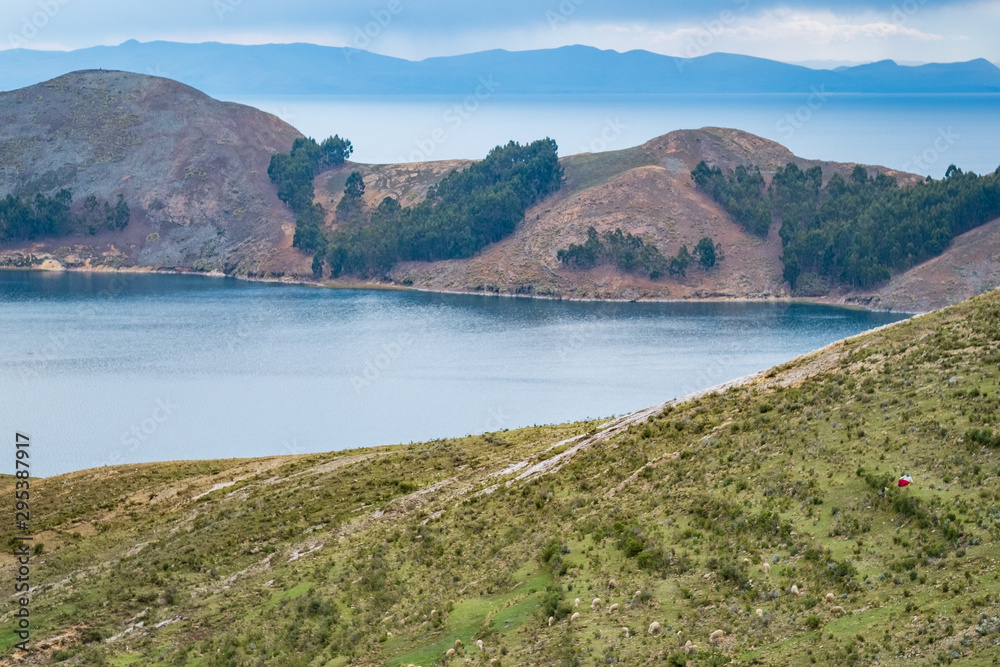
(226, 69)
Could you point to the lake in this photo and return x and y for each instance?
(917, 133)
(101, 369)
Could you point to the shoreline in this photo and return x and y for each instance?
(392, 287)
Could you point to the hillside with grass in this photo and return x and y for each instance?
(758, 522)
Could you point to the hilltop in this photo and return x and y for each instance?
(192, 169)
(766, 510)
(309, 69)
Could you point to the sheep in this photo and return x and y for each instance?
(574, 617)
(613, 608)
(637, 594)
(689, 647)
(625, 632)
(450, 654)
(829, 597)
(612, 584)
(552, 619)
(479, 644)
(706, 576)
(716, 636)
(760, 613)
(766, 567)
(654, 628)
(794, 590)
(576, 603)
(837, 610)
(595, 603)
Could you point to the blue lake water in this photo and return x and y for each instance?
(917, 133)
(103, 369)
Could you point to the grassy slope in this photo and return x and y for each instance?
(387, 556)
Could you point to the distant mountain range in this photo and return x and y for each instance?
(227, 69)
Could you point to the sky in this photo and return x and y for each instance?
(807, 30)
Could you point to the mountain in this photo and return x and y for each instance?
(193, 170)
(758, 522)
(297, 69)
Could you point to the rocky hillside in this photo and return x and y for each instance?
(193, 171)
(194, 174)
(758, 523)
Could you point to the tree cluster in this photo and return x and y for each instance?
(741, 193)
(25, 218)
(467, 211)
(293, 174)
(858, 231)
(630, 254)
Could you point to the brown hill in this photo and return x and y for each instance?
(193, 171)
(645, 190)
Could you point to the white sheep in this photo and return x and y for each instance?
(552, 619)
(449, 654)
(576, 603)
(637, 594)
(766, 567)
(625, 632)
(613, 608)
(689, 647)
(837, 610)
(654, 628)
(716, 636)
(574, 617)
(760, 613)
(612, 584)
(829, 597)
(794, 590)
(479, 644)
(595, 603)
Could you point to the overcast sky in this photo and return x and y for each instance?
(857, 31)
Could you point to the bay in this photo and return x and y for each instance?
(101, 369)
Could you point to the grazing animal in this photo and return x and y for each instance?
(625, 631)
(829, 597)
(552, 619)
(794, 590)
(690, 647)
(760, 613)
(575, 616)
(767, 568)
(612, 584)
(458, 644)
(576, 603)
(479, 644)
(716, 636)
(837, 610)
(595, 603)
(654, 628)
(613, 608)
(449, 654)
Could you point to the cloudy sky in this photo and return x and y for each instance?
(806, 30)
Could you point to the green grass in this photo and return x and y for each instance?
(792, 470)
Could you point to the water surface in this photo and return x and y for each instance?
(101, 369)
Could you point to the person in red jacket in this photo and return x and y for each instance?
(905, 480)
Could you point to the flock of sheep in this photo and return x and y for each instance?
(655, 628)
